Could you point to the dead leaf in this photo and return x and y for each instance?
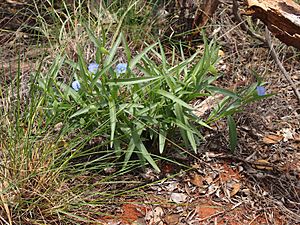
(172, 219)
(297, 137)
(235, 189)
(208, 179)
(221, 53)
(155, 216)
(208, 7)
(197, 180)
(287, 134)
(262, 164)
(206, 105)
(178, 197)
(272, 139)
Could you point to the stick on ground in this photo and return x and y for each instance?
(276, 59)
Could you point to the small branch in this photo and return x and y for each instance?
(276, 59)
(266, 40)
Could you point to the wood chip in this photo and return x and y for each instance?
(272, 139)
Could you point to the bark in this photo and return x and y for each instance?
(207, 9)
(282, 17)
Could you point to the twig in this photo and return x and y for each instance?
(275, 57)
(266, 40)
(213, 215)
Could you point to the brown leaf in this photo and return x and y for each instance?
(272, 139)
(197, 180)
(297, 137)
(287, 134)
(208, 179)
(206, 105)
(262, 164)
(179, 197)
(235, 189)
(172, 219)
(207, 9)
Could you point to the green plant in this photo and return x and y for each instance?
(54, 138)
(42, 180)
(145, 104)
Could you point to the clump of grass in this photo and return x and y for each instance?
(147, 102)
(39, 181)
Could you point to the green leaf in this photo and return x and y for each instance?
(68, 91)
(140, 146)
(113, 119)
(128, 153)
(81, 112)
(222, 91)
(120, 22)
(136, 59)
(113, 51)
(130, 81)
(192, 140)
(174, 98)
(163, 56)
(103, 50)
(213, 70)
(126, 48)
(101, 73)
(92, 37)
(180, 123)
(162, 140)
(232, 133)
(200, 122)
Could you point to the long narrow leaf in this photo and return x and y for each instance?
(130, 81)
(222, 91)
(140, 146)
(174, 98)
(113, 51)
(81, 112)
(136, 59)
(232, 133)
(68, 91)
(128, 153)
(113, 119)
(162, 140)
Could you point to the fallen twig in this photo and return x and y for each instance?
(276, 59)
(266, 40)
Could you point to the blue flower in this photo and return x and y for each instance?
(93, 67)
(261, 90)
(121, 68)
(76, 85)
